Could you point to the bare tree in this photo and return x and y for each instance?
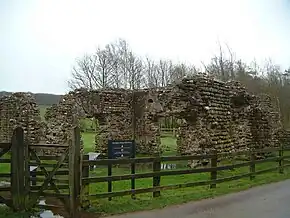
(134, 71)
(165, 72)
(127, 66)
(165, 69)
(150, 71)
(122, 51)
(83, 74)
(115, 65)
(222, 65)
(104, 68)
(92, 71)
(179, 71)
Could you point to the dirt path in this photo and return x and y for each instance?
(268, 201)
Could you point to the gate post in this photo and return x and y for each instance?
(18, 170)
(213, 174)
(74, 172)
(85, 188)
(281, 158)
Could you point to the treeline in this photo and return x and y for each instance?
(41, 98)
(47, 99)
(117, 66)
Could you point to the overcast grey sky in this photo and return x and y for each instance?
(40, 39)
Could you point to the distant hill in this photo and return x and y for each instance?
(41, 98)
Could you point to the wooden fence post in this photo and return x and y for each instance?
(33, 177)
(213, 174)
(85, 202)
(110, 166)
(26, 173)
(252, 164)
(74, 172)
(133, 169)
(281, 161)
(156, 179)
(17, 170)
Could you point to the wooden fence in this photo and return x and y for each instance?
(67, 178)
(157, 173)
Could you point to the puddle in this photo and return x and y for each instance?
(42, 214)
(164, 166)
(46, 213)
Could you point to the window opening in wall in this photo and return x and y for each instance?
(168, 131)
(150, 100)
(89, 128)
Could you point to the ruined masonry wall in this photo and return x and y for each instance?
(214, 116)
(60, 119)
(204, 107)
(115, 118)
(146, 107)
(20, 110)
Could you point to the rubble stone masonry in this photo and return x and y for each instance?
(214, 115)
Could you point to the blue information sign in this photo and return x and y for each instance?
(121, 149)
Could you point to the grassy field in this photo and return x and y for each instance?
(146, 201)
(7, 213)
(167, 141)
(42, 109)
(89, 142)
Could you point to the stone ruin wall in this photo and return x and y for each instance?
(146, 109)
(114, 114)
(110, 107)
(221, 116)
(20, 110)
(60, 119)
(214, 115)
(205, 111)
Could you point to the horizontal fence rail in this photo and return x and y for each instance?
(156, 174)
(179, 172)
(145, 160)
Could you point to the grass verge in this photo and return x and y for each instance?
(172, 197)
(7, 213)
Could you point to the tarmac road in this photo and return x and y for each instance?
(268, 201)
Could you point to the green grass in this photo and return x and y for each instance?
(42, 109)
(146, 202)
(168, 142)
(7, 213)
(178, 196)
(89, 142)
(5, 167)
(170, 197)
